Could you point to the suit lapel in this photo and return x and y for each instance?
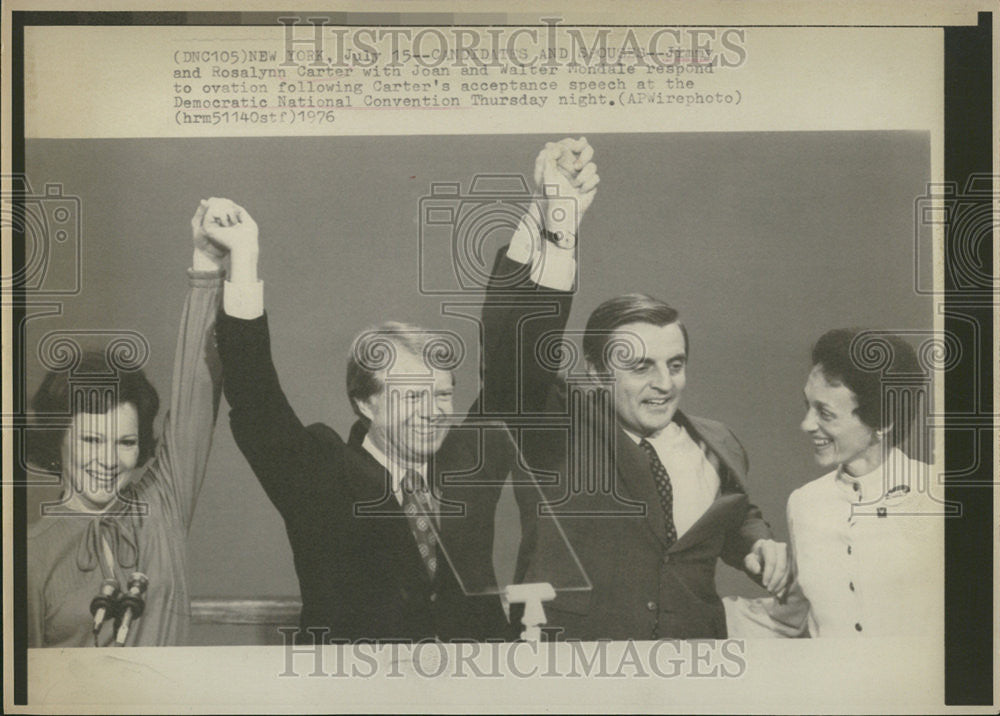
(636, 475)
(369, 479)
(722, 458)
(373, 490)
(715, 518)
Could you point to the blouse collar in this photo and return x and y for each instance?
(891, 477)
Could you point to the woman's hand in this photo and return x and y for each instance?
(207, 256)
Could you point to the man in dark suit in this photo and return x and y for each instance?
(385, 547)
(648, 497)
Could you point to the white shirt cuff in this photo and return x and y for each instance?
(554, 267)
(243, 300)
(551, 266)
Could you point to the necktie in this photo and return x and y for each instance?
(416, 507)
(663, 489)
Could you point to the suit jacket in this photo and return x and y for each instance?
(360, 574)
(640, 588)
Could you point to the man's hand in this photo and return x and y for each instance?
(769, 559)
(229, 228)
(567, 180)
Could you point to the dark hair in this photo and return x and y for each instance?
(59, 395)
(619, 311)
(374, 350)
(842, 355)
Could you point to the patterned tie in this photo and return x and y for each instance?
(663, 488)
(417, 507)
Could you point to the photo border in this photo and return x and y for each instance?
(968, 126)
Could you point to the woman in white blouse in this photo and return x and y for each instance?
(866, 539)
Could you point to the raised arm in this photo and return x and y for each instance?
(281, 451)
(518, 313)
(178, 468)
(528, 300)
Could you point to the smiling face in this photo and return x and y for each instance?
(99, 453)
(408, 415)
(838, 435)
(648, 389)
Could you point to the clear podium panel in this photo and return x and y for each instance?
(491, 516)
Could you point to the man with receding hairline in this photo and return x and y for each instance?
(648, 497)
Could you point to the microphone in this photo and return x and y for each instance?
(131, 604)
(104, 605)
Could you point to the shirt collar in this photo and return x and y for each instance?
(395, 469)
(671, 432)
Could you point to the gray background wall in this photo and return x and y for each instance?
(762, 241)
